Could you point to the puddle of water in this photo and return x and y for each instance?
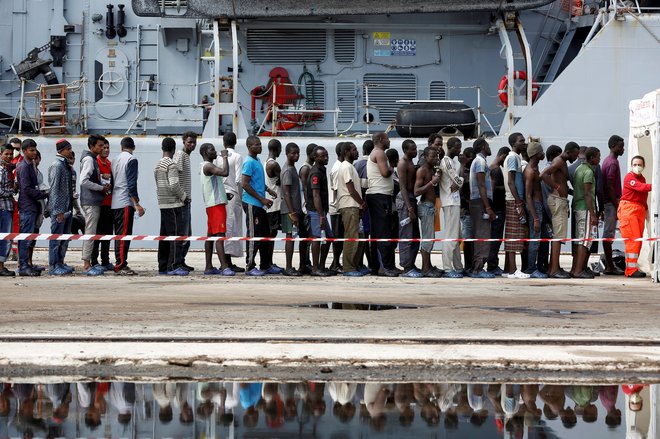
(358, 306)
(323, 410)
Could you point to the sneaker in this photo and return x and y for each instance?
(584, 275)
(237, 269)
(483, 275)
(591, 272)
(227, 272)
(638, 275)
(109, 267)
(125, 271)
(337, 267)
(305, 270)
(365, 270)
(38, 268)
(438, 271)
(497, 271)
(273, 269)
(614, 272)
(255, 272)
(212, 272)
(93, 271)
(330, 271)
(537, 274)
(321, 273)
(452, 275)
(178, 272)
(99, 267)
(187, 267)
(412, 273)
(292, 272)
(388, 273)
(431, 273)
(354, 274)
(68, 268)
(518, 275)
(59, 271)
(8, 273)
(561, 274)
(29, 271)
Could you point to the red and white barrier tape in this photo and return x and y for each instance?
(71, 237)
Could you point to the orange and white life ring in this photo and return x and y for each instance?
(502, 88)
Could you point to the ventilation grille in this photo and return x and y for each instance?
(438, 91)
(275, 46)
(387, 88)
(346, 102)
(345, 46)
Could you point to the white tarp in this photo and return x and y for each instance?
(644, 140)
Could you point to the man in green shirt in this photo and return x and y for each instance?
(584, 210)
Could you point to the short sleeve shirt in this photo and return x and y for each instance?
(583, 174)
(513, 163)
(318, 179)
(289, 177)
(346, 173)
(255, 170)
(611, 171)
(479, 165)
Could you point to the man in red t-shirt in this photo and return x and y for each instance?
(105, 224)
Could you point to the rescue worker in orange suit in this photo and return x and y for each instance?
(632, 214)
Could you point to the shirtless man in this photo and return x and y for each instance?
(406, 206)
(426, 182)
(303, 228)
(556, 177)
(534, 198)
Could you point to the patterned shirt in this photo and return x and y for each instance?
(6, 189)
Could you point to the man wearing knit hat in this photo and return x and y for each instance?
(60, 206)
(534, 198)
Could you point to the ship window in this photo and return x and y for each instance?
(344, 46)
(438, 91)
(286, 46)
(346, 101)
(385, 89)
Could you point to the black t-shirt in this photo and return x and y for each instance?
(318, 179)
(499, 193)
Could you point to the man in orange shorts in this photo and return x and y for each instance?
(215, 200)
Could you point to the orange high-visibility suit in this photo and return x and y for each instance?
(632, 216)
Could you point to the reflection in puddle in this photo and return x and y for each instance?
(326, 410)
(358, 306)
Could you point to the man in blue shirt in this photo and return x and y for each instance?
(254, 201)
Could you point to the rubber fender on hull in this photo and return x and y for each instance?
(422, 119)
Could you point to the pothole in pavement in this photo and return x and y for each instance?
(351, 306)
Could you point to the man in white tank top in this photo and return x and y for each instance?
(379, 202)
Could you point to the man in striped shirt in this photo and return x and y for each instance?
(182, 161)
(171, 198)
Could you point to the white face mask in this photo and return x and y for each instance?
(638, 169)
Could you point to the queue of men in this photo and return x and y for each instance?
(379, 196)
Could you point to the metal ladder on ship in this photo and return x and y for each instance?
(231, 108)
(147, 74)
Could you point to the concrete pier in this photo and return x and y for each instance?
(202, 327)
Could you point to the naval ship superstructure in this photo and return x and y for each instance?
(284, 68)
